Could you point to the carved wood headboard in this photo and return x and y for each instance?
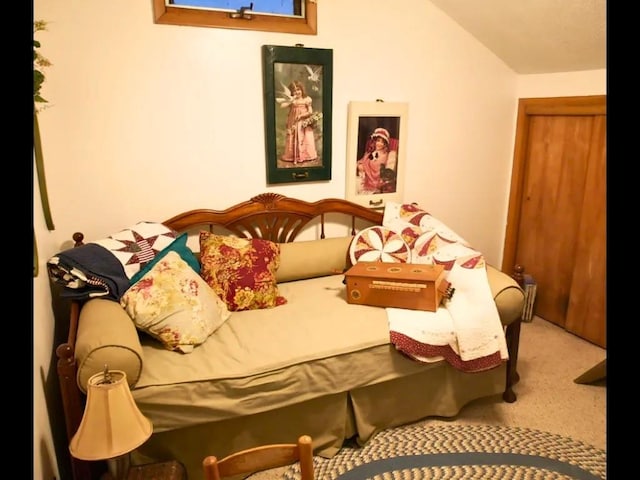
(273, 217)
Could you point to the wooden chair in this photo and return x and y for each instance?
(262, 458)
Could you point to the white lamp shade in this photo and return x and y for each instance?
(112, 424)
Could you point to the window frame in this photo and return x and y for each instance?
(197, 17)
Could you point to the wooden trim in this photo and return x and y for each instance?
(575, 111)
(528, 107)
(593, 105)
(174, 15)
(566, 103)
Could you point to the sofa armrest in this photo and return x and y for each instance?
(509, 298)
(106, 336)
(507, 294)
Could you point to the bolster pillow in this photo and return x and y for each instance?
(313, 258)
(507, 294)
(106, 336)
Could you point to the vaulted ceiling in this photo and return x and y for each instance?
(536, 36)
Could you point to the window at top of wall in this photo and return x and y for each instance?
(273, 7)
(284, 16)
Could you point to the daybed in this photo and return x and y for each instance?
(316, 365)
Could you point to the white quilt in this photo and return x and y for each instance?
(465, 330)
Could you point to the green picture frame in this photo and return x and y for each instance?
(297, 84)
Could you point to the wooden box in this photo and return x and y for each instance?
(399, 285)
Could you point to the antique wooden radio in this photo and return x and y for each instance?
(400, 285)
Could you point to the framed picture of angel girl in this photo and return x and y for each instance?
(297, 107)
(376, 151)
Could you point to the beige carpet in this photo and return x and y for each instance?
(549, 399)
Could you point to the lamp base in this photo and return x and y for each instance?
(118, 468)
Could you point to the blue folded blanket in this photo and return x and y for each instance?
(88, 271)
(104, 268)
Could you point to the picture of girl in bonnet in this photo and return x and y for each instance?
(377, 167)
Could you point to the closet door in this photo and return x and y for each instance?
(556, 221)
(586, 315)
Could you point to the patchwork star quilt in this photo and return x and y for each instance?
(103, 268)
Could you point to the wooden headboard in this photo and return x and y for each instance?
(270, 216)
(273, 217)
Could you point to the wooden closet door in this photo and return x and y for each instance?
(556, 221)
(552, 208)
(586, 315)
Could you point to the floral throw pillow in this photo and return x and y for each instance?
(173, 304)
(242, 271)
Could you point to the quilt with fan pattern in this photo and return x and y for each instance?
(465, 330)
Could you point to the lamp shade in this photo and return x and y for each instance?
(112, 424)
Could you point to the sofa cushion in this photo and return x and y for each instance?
(242, 271)
(179, 245)
(173, 304)
(313, 258)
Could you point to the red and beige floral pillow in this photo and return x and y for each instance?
(173, 304)
(242, 271)
(181, 308)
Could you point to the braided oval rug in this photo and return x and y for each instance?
(462, 452)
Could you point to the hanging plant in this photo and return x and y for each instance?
(39, 64)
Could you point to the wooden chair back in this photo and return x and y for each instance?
(262, 458)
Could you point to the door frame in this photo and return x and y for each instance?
(527, 108)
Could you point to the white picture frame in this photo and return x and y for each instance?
(375, 173)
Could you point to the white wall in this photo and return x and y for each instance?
(150, 120)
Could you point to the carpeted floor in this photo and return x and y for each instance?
(457, 452)
(549, 399)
